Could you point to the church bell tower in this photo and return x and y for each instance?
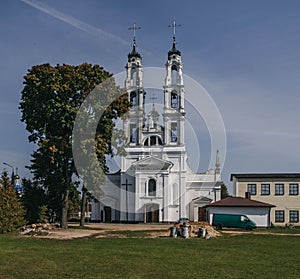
(136, 94)
(174, 113)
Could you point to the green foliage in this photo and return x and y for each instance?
(224, 191)
(11, 209)
(34, 200)
(50, 101)
(43, 214)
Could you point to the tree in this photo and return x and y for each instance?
(224, 191)
(50, 101)
(34, 200)
(11, 209)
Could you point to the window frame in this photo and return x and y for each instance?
(293, 191)
(152, 193)
(253, 193)
(265, 191)
(279, 189)
(279, 216)
(294, 216)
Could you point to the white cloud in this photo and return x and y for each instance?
(75, 22)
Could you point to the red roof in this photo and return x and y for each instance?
(238, 202)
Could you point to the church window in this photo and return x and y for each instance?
(174, 99)
(152, 188)
(133, 133)
(134, 76)
(146, 143)
(174, 74)
(153, 140)
(133, 98)
(174, 132)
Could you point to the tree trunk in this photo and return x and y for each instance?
(64, 210)
(83, 205)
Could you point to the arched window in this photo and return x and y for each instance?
(152, 188)
(174, 99)
(133, 99)
(153, 140)
(173, 132)
(134, 76)
(133, 133)
(174, 74)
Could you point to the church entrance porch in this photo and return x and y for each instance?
(151, 213)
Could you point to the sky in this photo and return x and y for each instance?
(244, 53)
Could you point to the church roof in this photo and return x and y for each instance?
(265, 176)
(174, 50)
(239, 202)
(152, 163)
(134, 52)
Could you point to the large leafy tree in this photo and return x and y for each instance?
(50, 101)
(11, 209)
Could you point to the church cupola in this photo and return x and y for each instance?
(174, 50)
(133, 53)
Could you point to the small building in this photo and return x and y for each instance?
(259, 212)
(280, 189)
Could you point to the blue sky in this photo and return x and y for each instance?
(245, 53)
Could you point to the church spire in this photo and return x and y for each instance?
(174, 49)
(134, 52)
(217, 165)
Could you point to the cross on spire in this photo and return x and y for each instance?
(134, 28)
(153, 98)
(174, 25)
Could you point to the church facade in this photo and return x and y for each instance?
(155, 184)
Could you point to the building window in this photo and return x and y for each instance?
(265, 189)
(152, 188)
(294, 216)
(174, 74)
(252, 189)
(134, 76)
(133, 133)
(279, 216)
(174, 132)
(279, 189)
(133, 98)
(294, 189)
(174, 99)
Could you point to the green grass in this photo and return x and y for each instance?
(245, 256)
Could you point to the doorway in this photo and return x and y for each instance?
(107, 214)
(152, 213)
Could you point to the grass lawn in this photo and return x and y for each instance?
(244, 256)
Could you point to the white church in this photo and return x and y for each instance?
(154, 183)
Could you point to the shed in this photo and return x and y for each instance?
(259, 212)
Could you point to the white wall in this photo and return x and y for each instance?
(259, 215)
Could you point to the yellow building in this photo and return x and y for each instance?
(279, 189)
